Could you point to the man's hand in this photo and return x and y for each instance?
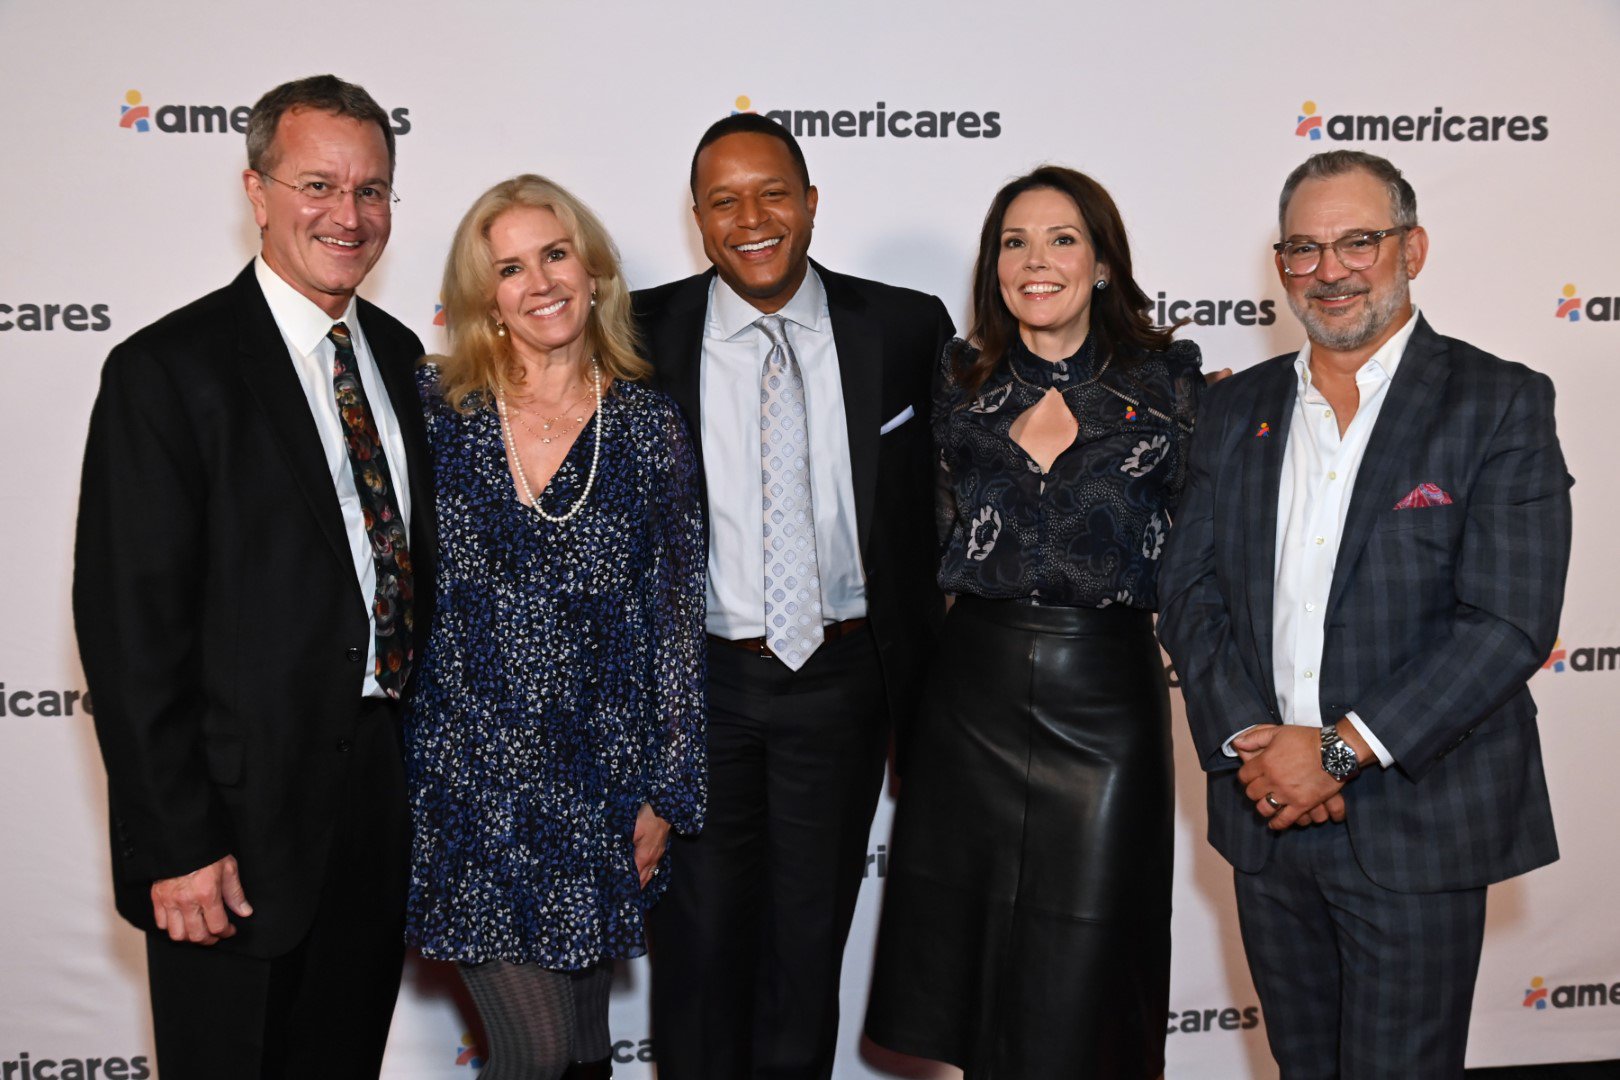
(192, 907)
(1214, 377)
(650, 839)
(1284, 762)
(1332, 810)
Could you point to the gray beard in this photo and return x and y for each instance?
(1344, 336)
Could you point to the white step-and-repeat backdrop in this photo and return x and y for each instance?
(120, 200)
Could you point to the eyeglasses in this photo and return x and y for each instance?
(1356, 251)
(370, 197)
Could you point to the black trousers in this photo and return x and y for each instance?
(749, 941)
(322, 1009)
(1358, 982)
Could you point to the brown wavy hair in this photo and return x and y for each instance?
(480, 362)
(1120, 324)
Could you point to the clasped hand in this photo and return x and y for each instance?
(1285, 762)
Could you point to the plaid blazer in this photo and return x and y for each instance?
(1437, 614)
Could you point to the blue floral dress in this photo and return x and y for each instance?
(562, 687)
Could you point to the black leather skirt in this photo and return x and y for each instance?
(1026, 920)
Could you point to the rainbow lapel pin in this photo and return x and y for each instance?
(1130, 412)
(1264, 431)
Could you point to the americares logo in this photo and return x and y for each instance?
(469, 1052)
(208, 119)
(1585, 658)
(23, 1067)
(1539, 996)
(1435, 126)
(880, 122)
(1200, 1021)
(75, 317)
(132, 114)
(1572, 308)
(1168, 312)
(1569, 305)
(1309, 125)
(44, 702)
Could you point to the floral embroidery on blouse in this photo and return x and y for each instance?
(1089, 532)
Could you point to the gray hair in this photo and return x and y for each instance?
(328, 93)
(1329, 163)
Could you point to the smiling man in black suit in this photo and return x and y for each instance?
(807, 392)
(251, 580)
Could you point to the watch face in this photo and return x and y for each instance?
(1338, 759)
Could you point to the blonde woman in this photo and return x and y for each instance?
(557, 733)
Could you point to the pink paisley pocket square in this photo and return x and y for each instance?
(1424, 495)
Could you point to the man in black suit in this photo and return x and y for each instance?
(807, 392)
(1367, 568)
(247, 604)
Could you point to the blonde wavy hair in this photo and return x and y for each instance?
(480, 362)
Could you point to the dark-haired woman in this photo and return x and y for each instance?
(1026, 925)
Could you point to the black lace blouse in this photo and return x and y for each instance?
(1089, 532)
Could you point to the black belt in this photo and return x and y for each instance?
(759, 647)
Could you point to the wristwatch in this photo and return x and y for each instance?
(1338, 759)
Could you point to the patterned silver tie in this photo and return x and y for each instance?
(793, 621)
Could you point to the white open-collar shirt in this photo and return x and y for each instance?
(1313, 501)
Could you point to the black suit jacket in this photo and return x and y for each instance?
(889, 342)
(221, 626)
(1436, 619)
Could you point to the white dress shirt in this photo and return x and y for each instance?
(734, 352)
(1318, 475)
(304, 327)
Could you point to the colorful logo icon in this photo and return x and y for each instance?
(1536, 996)
(1555, 661)
(742, 105)
(470, 1053)
(132, 114)
(1308, 124)
(1569, 306)
(438, 314)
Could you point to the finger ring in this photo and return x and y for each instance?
(1272, 799)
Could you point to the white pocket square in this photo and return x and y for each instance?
(907, 414)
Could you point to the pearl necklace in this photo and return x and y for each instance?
(517, 459)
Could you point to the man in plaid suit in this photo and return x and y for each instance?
(1367, 568)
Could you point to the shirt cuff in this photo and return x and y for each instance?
(1226, 747)
(1385, 758)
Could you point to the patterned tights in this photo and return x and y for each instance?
(538, 1021)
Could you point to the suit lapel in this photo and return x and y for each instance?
(860, 371)
(268, 372)
(677, 351)
(1262, 475)
(1410, 399)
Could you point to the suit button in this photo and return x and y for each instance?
(343, 746)
(354, 654)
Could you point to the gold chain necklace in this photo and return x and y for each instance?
(547, 424)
